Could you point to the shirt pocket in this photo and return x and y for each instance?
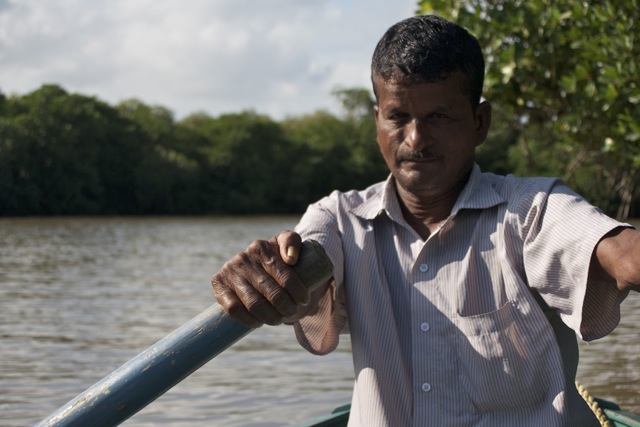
(502, 363)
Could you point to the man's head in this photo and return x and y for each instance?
(427, 74)
(426, 49)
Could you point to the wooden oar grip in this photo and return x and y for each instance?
(313, 266)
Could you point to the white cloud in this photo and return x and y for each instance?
(278, 57)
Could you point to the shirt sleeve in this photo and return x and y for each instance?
(560, 233)
(319, 332)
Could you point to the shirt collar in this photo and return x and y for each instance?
(478, 193)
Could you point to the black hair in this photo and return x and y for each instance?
(426, 49)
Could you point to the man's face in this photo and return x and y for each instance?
(428, 133)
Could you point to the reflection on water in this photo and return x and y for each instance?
(79, 297)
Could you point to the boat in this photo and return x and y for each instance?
(616, 416)
(608, 413)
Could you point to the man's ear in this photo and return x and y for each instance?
(376, 111)
(483, 121)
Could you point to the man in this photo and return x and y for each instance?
(452, 282)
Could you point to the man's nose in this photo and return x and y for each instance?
(417, 135)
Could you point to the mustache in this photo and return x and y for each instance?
(418, 155)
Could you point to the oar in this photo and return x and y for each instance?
(150, 374)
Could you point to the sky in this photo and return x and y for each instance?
(281, 58)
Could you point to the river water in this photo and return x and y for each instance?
(81, 296)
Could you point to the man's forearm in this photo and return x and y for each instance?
(617, 256)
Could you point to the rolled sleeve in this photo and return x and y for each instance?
(561, 233)
(319, 332)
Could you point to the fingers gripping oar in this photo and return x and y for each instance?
(150, 374)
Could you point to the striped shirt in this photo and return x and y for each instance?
(448, 331)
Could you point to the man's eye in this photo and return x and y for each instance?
(398, 117)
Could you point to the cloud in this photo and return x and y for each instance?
(278, 57)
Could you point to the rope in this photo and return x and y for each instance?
(593, 404)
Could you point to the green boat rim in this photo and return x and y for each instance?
(614, 416)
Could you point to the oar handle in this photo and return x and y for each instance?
(153, 372)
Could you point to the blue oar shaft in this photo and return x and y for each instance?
(150, 374)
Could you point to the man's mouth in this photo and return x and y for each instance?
(418, 156)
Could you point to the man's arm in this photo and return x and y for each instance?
(617, 256)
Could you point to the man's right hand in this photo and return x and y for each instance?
(259, 285)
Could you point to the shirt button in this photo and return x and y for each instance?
(424, 268)
(426, 387)
(425, 327)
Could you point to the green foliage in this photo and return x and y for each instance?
(340, 154)
(245, 159)
(68, 154)
(168, 177)
(564, 76)
(364, 155)
(63, 155)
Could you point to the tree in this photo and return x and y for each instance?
(52, 164)
(340, 153)
(365, 159)
(65, 154)
(565, 75)
(168, 179)
(245, 160)
(321, 160)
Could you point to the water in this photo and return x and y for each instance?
(81, 296)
